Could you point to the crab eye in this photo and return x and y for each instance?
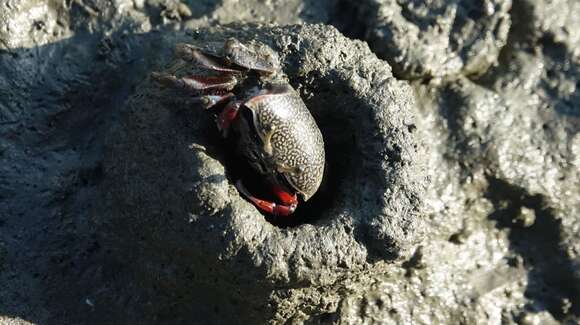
(230, 46)
(205, 101)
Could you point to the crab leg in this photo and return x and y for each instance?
(209, 101)
(286, 209)
(189, 53)
(227, 116)
(197, 84)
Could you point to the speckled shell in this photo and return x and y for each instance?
(296, 139)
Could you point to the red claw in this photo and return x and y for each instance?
(285, 197)
(285, 209)
(227, 116)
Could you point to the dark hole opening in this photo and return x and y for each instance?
(339, 141)
(332, 108)
(339, 137)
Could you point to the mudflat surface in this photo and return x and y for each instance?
(452, 192)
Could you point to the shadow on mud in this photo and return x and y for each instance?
(57, 102)
(550, 271)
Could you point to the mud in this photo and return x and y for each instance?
(452, 192)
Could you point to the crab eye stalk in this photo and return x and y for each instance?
(184, 51)
(205, 101)
(230, 45)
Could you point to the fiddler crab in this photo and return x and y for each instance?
(276, 134)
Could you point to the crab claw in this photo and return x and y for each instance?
(267, 206)
(227, 116)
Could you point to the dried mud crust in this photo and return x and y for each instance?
(433, 39)
(169, 195)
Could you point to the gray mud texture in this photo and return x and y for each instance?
(452, 186)
(359, 218)
(431, 39)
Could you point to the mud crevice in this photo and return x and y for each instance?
(520, 38)
(559, 52)
(550, 270)
(353, 22)
(353, 28)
